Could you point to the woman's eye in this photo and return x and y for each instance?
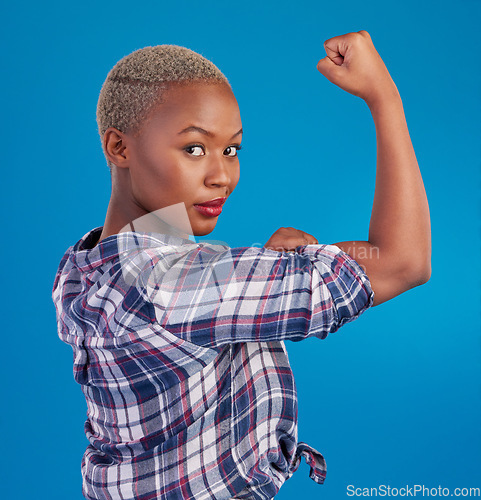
(195, 150)
(232, 150)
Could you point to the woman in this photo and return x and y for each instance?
(179, 347)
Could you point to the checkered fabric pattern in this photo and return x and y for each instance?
(179, 350)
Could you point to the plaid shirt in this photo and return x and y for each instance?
(179, 349)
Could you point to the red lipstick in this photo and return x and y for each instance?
(211, 208)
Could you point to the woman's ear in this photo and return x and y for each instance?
(115, 147)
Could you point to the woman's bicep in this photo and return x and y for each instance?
(212, 295)
(389, 275)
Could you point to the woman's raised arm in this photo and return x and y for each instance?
(397, 255)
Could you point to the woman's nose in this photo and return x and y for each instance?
(218, 172)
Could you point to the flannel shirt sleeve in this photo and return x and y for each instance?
(212, 295)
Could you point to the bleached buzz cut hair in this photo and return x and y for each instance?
(135, 85)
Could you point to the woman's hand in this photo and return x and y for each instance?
(353, 64)
(288, 238)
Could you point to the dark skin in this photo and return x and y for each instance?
(397, 254)
(160, 168)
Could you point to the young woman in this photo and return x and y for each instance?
(179, 347)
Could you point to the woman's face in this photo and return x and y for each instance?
(186, 153)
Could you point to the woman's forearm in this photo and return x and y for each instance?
(400, 223)
(397, 255)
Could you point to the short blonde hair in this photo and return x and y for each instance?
(135, 85)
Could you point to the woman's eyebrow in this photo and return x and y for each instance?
(193, 128)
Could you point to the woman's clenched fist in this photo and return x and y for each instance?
(353, 64)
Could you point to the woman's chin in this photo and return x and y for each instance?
(202, 232)
(205, 227)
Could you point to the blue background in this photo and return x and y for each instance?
(392, 398)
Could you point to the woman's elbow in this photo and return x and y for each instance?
(420, 273)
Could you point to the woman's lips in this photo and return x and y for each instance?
(209, 211)
(211, 208)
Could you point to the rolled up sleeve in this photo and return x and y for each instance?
(212, 295)
(348, 285)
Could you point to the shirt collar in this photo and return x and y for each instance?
(86, 256)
